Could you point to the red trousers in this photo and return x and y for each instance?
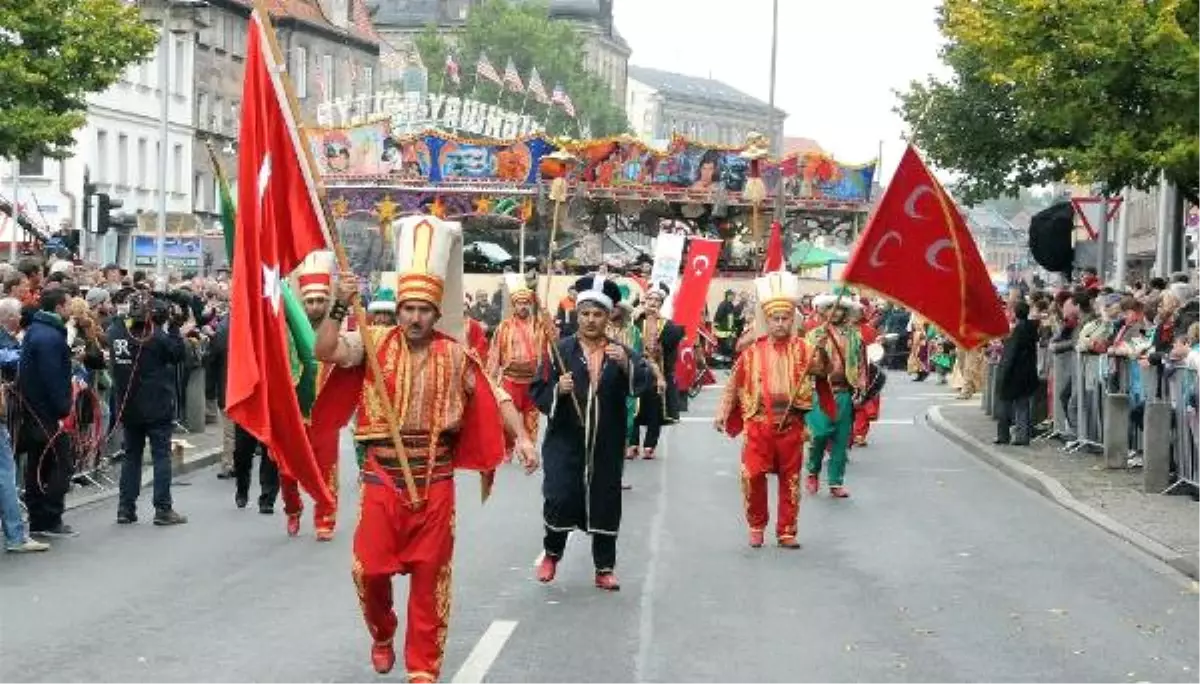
(768, 450)
(326, 452)
(863, 417)
(523, 402)
(394, 539)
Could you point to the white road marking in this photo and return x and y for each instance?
(480, 660)
(697, 419)
(895, 421)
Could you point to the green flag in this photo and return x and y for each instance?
(301, 336)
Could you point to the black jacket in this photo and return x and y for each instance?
(1018, 372)
(44, 375)
(144, 372)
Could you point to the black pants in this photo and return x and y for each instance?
(652, 434)
(244, 448)
(604, 548)
(136, 436)
(48, 467)
(1014, 420)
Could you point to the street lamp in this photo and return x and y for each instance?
(164, 76)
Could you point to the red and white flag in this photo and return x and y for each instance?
(484, 68)
(774, 257)
(562, 99)
(918, 251)
(699, 267)
(452, 69)
(512, 79)
(279, 222)
(536, 88)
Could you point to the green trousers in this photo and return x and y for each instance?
(834, 434)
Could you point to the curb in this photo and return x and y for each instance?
(203, 459)
(1054, 490)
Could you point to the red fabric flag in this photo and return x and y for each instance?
(774, 260)
(699, 267)
(279, 222)
(917, 251)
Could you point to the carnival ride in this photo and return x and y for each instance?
(615, 185)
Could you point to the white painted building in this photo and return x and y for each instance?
(119, 145)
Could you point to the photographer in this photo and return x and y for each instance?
(145, 352)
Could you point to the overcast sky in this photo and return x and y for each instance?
(838, 62)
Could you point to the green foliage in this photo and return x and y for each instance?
(525, 33)
(52, 54)
(1104, 91)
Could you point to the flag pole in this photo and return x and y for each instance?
(360, 313)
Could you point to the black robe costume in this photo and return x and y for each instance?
(582, 483)
(654, 408)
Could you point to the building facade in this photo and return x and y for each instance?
(330, 49)
(118, 148)
(1001, 244)
(606, 54)
(661, 103)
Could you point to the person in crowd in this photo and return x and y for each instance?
(145, 354)
(1017, 380)
(245, 447)
(565, 318)
(16, 536)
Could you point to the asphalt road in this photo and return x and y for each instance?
(937, 569)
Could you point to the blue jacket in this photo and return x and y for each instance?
(44, 375)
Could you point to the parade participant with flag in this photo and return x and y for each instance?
(447, 416)
(866, 407)
(699, 267)
(584, 402)
(775, 382)
(315, 281)
(518, 347)
(831, 426)
(659, 404)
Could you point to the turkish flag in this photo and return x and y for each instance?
(774, 259)
(917, 250)
(699, 266)
(279, 222)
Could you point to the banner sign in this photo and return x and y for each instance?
(413, 112)
(180, 253)
(668, 253)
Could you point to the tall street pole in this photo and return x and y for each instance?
(774, 49)
(164, 77)
(16, 211)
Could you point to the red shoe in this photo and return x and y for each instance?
(789, 543)
(547, 569)
(607, 581)
(325, 534)
(648, 454)
(756, 538)
(839, 492)
(812, 483)
(293, 525)
(383, 657)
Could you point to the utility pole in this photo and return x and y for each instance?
(16, 211)
(164, 77)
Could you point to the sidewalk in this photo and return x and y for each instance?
(200, 450)
(1163, 526)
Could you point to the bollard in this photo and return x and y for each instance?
(1116, 430)
(195, 407)
(1156, 447)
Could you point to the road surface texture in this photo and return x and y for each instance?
(938, 569)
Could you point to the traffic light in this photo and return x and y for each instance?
(89, 191)
(104, 217)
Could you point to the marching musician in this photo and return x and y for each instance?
(517, 348)
(659, 404)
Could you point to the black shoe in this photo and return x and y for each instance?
(63, 530)
(266, 509)
(168, 516)
(241, 500)
(1023, 443)
(224, 475)
(1000, 441)
(126, 517)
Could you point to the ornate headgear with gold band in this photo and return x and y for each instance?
(423, 250)
(518, 288)
(778, 291)
(315, 275)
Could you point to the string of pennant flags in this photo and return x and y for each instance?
(512, 82)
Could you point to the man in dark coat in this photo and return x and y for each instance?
(45, 393)
(1017, 380)
(658, 405)
(585, 435)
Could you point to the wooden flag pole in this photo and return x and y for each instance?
(558, 193)
(376, 385)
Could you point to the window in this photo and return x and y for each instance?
(101, 156)
(180, 64)
(300, 72)
(235, 120)
(158, 151)
(122, 159)
(218, 115)
(33, 166)
(198, 193)
(202, 110)
(143, 180)
(368, 80)
(177, 177)
(328, 77)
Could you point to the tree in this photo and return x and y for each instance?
(1104, 91)
(525, 33)
(52, 54)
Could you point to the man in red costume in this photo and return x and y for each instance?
(448, 416)
(867, 411)
(315, 279)
(517, 349)
(771, 388)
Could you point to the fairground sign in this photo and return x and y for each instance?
(413, 112)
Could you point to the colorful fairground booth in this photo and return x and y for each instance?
(516, 191)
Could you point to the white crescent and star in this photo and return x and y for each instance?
(935, 249)
(910, 205)
(874, 259)
(272, 287)
(696, 264)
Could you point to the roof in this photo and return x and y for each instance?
(800, 146)
(413, 13)
(694, 88)
(310, 12)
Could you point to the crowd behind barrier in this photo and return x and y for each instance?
(1127, 411)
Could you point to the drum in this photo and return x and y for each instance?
(874, 352)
